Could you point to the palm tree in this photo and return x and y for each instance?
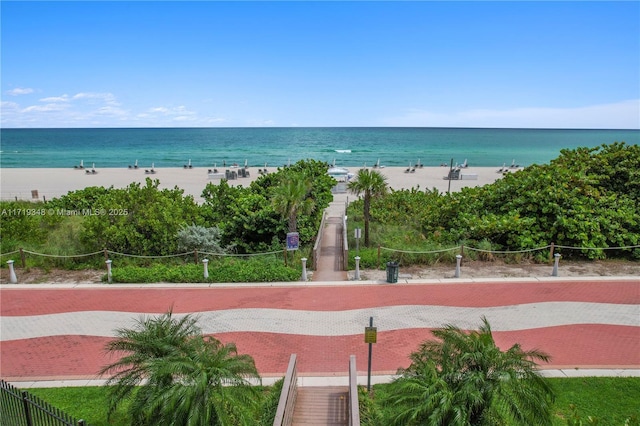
(370, 184)
(173, 375)
(463, 378)
(291, 199)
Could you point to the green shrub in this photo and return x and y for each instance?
(270, 404)
(195, 237)
(222, 270)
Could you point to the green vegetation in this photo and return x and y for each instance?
(586, 200)
(463, 378)
(608, 401)
(171, 374)
(371, 184)
(221, 270)
(90, 404)
(146, 222)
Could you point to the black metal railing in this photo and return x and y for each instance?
(20, 408)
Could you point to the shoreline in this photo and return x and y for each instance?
(55, 182)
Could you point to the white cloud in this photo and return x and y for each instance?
(20, 91)
(45, 108)
(9, 106)
(621, 115)
(107, 98)
(82, 109)
(63, 98)
(161, 110)
(111, 110)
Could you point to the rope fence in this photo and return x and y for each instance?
(461, 248)
(109, 254)
(197, 253)
(106, 253)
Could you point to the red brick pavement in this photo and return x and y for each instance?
(69, 356)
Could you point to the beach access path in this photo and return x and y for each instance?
(330, 265)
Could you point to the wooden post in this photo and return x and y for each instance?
(551, 253)
(106, 255)
(195, 256)
(462, 252)
(23, 258)
(378, 256)
(285, 256)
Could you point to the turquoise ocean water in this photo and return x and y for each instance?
(174, 147)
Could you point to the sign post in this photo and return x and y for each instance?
(357, 237)
(370, 337)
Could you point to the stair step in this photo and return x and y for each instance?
(322, 406)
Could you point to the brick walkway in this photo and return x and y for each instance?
(60, 333)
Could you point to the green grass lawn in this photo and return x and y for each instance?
(611, 400)
(86, 403)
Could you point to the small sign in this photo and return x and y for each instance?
(370, 334)
(293, 241)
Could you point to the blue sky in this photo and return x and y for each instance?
(235, 64)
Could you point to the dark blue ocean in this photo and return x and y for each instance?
(206, 147)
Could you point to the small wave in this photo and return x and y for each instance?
(343, 151)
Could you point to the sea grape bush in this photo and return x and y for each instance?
(149, 223)
(17, 223)
(586, 198)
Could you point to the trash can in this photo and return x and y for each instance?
(392, 272)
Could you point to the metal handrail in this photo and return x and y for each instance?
(354, 407)
(288, 395)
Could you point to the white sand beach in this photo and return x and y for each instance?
(18, 183)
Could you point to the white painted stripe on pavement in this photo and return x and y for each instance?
(334, 323)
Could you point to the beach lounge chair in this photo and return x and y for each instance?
(454, 174)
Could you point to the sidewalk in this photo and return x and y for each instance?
(589, 327)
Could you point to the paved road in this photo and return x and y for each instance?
(59, 333)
